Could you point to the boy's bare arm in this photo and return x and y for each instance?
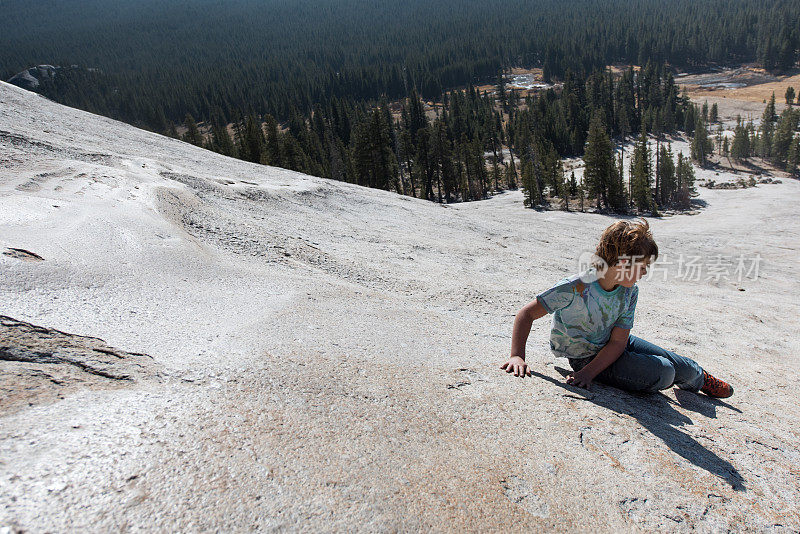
(607, 355)
(522, 327)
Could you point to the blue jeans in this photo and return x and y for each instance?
(646, 367)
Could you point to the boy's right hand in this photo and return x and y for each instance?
(516, 365)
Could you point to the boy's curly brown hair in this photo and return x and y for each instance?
(627, 238)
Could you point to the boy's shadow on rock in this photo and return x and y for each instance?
(656, 413)
(706, 406)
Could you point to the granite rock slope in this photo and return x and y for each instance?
(326, 357)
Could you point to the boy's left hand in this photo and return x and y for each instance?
(581, 379)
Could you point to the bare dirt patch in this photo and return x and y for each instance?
(747, 83)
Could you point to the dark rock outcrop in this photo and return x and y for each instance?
(31, 78)
(39, 364)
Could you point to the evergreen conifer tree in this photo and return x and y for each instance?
(781, 141)
(740, 148)
(701, 144)
(192, 135)
(725, 147)
(767, 129)
(272, 148)
(220, 138)
(530, 186)
(793, 159)
(690, 119)
(684, 173)
(616, 193)
(667, 174)
(563, 186)
(641, 174)
(599, 161)
(511, 174)
(254, 141)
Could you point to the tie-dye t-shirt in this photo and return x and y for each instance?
(584, 313)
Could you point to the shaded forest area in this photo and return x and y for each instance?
(337, 89)
(159, 61)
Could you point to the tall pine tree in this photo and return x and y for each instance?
(599, 160)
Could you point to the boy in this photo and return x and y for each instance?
(592, 319)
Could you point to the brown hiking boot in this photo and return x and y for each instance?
(714, 387)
